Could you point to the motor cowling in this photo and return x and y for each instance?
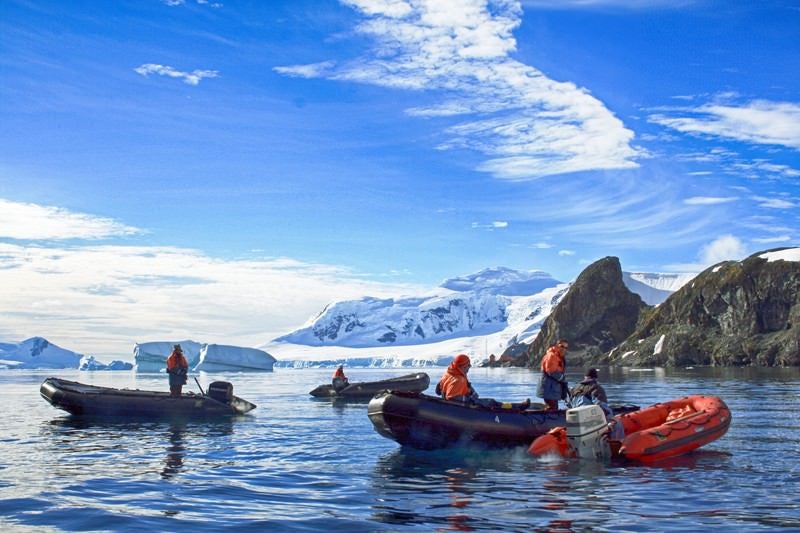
(222, 391)
(586, 432)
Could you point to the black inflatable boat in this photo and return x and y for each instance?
(91, 400)
(409, 383)
(428, 422)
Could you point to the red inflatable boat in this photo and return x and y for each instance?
(658, 432)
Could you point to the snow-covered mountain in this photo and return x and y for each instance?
(37, 352)
(654, 288)
(474, 305)
(480, 314)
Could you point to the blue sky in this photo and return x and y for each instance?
(221, 170)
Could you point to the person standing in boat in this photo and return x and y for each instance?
(178, 369)
(454, 385)
(552, 384)
(339, 380)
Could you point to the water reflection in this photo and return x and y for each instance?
(175, 451)
(460, 498)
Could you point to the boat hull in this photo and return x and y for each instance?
(650, 436)
(427, 422)
(90, 400)
(365, 390)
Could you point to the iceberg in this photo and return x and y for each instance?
(152, 356)
(88, 362)
(221, 358)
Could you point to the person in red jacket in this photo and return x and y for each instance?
(177, 368)
(339, 380)
(552, 384)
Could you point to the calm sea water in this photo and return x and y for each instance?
(299, 464)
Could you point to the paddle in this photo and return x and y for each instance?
(200, 386)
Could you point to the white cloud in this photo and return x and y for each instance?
(759, 122)
(103, 299)
(724, 248)
(497, 224)
(199, 2)
(527, 124)
(566, 252)
(313, 70)
(774, 203)
(24, 221)
(709, 200)
(190, 78)
(542, 245)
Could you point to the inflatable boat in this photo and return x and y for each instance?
(662, 431)
(428, 422)
(91, 400)
(365, 390)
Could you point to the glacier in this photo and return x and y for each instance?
(479, 315)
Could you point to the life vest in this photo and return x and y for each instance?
(176, 360)
(339, 373)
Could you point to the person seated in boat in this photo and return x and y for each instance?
(552, 383)
(454, 385)
(178, 369)
(339, 380)
(590, 392)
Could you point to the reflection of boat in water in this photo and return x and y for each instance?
(365, 390)
(91, 400)
(427, 422)
(662, 431)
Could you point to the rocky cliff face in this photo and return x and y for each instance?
(597, 313)
(736, 313)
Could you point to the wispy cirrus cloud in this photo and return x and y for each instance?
(758, 121)
(26, 221)
(173, 3)
(527, 125)
(191, 78)
(709, 200)
(774, 203)
(496, 224)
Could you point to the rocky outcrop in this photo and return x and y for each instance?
(597, 313)
(736, 313)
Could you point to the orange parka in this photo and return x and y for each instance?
(454, 382)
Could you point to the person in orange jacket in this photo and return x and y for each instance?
(454, 385)
(339, 380)
(552, 383)
(177, 368)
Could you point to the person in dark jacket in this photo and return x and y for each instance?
(590, 392)
(178, 369)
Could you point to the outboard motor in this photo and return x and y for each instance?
(222, 391)
(586, 431)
